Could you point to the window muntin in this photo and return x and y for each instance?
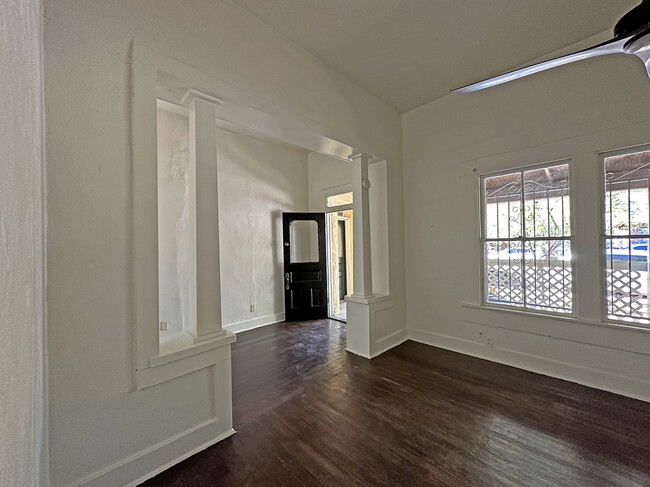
(625, 239)
(527, 239)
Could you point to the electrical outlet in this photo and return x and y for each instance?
(252, 307)
(164, 326)
(489, 342)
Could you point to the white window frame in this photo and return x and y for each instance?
(602, 245)
(483, 239)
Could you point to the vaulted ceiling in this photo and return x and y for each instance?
(410, 52)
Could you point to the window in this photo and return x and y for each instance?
(625, 239)
(526, 239)
(340, 199)
(303, 235)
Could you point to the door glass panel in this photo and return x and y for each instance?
(304, 241)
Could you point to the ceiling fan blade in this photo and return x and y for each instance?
(613, 46)
(645, 57)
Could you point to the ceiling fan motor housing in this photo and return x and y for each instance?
(634, 22)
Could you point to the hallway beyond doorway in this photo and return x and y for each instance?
(340, 274)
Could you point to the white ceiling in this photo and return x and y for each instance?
(410, 52)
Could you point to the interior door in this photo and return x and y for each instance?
(305, 271)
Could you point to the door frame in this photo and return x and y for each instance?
(348, 250)
(343, 225)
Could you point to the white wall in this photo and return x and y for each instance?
(258, 180)
(22, 459)
(378, 203)
(327, 176)
(98, 422)
(571, 112)
(176, 247)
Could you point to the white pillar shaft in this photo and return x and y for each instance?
(203, 158)
(361, 227)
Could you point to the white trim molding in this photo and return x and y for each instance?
(587, 376)
(148, 463)
(192, 93)
(242, 326)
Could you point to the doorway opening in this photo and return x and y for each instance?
(339, 262)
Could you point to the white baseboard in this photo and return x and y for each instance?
(384, 344)
(596, 379)
(255, 323)
(360, 354)
(148, 463)
(390, 341)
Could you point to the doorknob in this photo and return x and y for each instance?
(286, 277)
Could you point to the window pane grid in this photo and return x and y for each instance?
(527, 259)
(627, 219)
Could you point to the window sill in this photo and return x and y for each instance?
(179, 355)
(181, 346)
(559, 317)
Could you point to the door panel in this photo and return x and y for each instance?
(305, 275)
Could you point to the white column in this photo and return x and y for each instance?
(361, 227)
(203, 161)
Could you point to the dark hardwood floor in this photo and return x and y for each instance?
(308, 413)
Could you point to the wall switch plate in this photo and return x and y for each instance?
(164, 326)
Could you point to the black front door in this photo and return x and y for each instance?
(305, 274)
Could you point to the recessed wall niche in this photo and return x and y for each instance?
(176, 223)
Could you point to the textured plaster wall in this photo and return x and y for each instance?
(258, 180)
(174, 263)
(327, 175)
(21, 250)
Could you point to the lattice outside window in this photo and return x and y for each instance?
(625, 238)
(526, 239)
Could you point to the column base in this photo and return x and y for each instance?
(358, 327)
(362, 321)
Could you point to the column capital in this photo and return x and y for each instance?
(359, 155)
(192, 94)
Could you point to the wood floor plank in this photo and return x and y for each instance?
(310, 414)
